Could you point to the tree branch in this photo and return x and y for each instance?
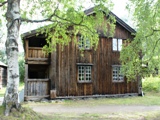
(154, 47)
(3, 3)
(49, 19)
(153, 31)
(43, 20)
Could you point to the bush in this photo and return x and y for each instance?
(151, 84)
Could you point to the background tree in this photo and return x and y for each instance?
(141, 57)
(66, 18)
(3, 57)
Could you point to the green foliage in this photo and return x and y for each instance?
(145, 48)
(21, 67)
(67, 20)
(151, 84)
(3, 57)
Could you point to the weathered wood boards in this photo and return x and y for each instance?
(61, 78)
(3, 76)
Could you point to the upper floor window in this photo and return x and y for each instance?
(116, 75)
(84, 43)
(84, 73)
(116, 44)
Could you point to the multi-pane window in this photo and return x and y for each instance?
(116, 75)
(84, 73)
(116, 44)
(84, 43)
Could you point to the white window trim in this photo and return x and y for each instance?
(84, 74)
(118, 46)
(117, 66)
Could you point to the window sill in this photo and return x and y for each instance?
(114, 51)
(84, 64)
(84, 82)
(86, 49)
(120, 81)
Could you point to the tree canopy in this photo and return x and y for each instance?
(66, 19)
(141, 56)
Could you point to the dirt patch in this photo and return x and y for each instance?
(105, 112)
(101, 109)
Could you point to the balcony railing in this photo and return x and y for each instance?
(36, 52)
(35, 55)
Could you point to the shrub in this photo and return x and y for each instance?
(151, 84)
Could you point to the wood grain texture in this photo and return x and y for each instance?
(63, 69)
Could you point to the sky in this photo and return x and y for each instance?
(119, 7)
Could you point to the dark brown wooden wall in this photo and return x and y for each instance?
(63, 69)
(3, 76)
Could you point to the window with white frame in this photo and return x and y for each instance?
(84, 43)
(116, 74)
(116, 44)
(84, 74)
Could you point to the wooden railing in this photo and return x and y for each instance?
(35, 55)
(36, 52)
(37, 87)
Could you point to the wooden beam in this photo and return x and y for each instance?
(35, 98)
(99, 96)
(26, 48)
(26, 77)
(38, 59)
(39, 80)
(38, 62)
(37, 48)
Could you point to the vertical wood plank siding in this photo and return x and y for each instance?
(64, 71)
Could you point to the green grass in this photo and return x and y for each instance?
(150, 98)
(24, 113)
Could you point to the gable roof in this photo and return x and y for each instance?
(88, 12)
(118, 20)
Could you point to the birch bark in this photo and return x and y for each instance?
(13, 25)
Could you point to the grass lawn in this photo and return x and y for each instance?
(150, 98)
(2, 91)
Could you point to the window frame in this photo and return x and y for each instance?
(118, 74)
(85, 65)
(84, 44)
(118, 47)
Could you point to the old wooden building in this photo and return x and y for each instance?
(65, 73)
(3, 75)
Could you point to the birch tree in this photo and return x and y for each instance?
(66, 17)
(142, 56)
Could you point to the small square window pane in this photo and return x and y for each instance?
(116, 75)
(87, 43)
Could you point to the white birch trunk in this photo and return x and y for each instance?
(13, 25)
